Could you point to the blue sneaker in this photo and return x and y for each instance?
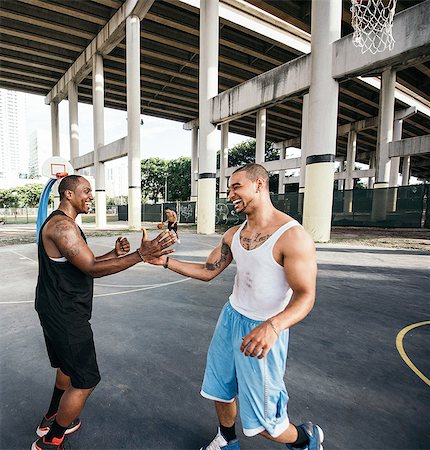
(315, 435)
(219, 443)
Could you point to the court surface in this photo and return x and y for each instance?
(152, 329)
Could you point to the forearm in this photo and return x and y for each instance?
(109, 255)
(299, 307)
(101, 268)
(192, 270)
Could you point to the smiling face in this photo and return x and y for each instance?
(242, 191)
(81, 197)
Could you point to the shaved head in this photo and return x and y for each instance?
(254, 171)
(69, 183)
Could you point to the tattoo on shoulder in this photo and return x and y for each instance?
(67, 239)
(225, 255)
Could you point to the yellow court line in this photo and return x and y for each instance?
(401, 350)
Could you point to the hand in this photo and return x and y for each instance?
(153, 250)
(157, 261)
(259, 341)
(122, 246)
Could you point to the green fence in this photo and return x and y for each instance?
(401, 207)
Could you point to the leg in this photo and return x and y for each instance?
(307, 436)
(62, 381)
(287, 437)
(226, 413)
(71, 405)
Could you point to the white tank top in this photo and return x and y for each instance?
(260, 288)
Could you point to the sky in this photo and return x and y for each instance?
(159, 137)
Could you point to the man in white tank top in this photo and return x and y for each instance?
(274, 289)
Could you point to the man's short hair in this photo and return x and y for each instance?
(68, 183)
(254, 171)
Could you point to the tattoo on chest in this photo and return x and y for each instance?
(225, 256)
(254, 241)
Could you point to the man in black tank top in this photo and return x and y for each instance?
(64, 296)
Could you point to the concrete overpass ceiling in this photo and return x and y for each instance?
(40, 39)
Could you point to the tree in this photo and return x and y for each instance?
(22, 196)
(244, 153)
(30, 195)
(153, 171)
(179, 179)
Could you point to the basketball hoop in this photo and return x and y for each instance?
(372, 21)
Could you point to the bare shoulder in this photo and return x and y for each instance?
(297, 240)
(228, 235)
(61, 237)
(59, 224)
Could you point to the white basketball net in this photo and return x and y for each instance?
(372, 21)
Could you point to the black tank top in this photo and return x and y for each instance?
(64, 294)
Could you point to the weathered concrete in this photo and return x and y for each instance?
(411, 146)
(108, 38)
(411, 31)
(263, 90)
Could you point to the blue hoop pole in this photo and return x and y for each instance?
(42, 211)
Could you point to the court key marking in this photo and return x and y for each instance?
(405, 357)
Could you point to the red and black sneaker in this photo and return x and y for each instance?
(55, 444)
(46, 425)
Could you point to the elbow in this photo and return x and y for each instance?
(207, 277)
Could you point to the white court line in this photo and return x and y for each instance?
(143, 289)
(22, 256)
(115, 293)
(125, 285)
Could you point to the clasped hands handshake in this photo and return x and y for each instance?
(153, 251)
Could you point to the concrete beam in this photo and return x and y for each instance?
(411, 31)
(293, 142)
(291, 180)
(113, 150)
(107, 39)
(273, 166)
(191, 124)
(83, 161)
(372, 122)
(364, 173)
(262, 91)
(411, 146)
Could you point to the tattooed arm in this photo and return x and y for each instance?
(216, 262)
(61, 237)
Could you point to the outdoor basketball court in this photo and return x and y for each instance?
(152, 329)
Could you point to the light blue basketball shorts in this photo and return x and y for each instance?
(259, 383)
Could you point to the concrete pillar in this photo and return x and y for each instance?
(303, 144)
(223, 161)
(73, 120)
(341, 183)
(385, 135)
(260, 136)
(372, 162)
(208, 88)
(281, 184)
(194, 162)
(394, 169)
(350, 164)
(55, 130)
(133, 121)
(406, 170)
(99, 131)
(55, 141)
(323, 106)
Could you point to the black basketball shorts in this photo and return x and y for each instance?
(76, 360)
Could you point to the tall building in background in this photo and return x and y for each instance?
(13, 139)
(39, 150)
